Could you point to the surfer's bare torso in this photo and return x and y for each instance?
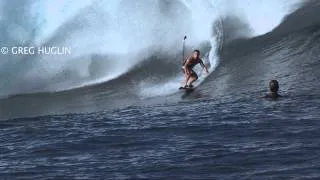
(191, 62)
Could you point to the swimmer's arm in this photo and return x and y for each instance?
(263, 97)
(267, 96)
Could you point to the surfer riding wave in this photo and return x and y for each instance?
(188, 65)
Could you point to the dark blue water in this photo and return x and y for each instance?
(230, 138)
(221, 130)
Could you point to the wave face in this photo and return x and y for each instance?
(111, 39)
(126, 123)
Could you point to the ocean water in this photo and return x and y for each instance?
(230, 138)
(106, 114)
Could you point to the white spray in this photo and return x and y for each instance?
(121, 28)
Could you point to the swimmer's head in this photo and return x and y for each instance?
(274, 86)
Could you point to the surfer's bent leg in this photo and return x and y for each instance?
(187, 79)
(188, 75)
(193, 77)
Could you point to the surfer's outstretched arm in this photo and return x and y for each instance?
(204, 66)
(206, 70)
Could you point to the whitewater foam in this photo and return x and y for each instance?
(115, 27)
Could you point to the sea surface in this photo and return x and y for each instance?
(138, 125)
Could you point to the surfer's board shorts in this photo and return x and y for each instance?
(192, 73)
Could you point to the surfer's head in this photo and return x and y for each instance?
(274, 86)
(196, 54)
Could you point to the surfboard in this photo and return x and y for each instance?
(187, 89)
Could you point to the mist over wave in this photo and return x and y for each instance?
(118, 113)
(111, 38)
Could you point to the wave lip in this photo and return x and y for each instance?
(111, 38)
